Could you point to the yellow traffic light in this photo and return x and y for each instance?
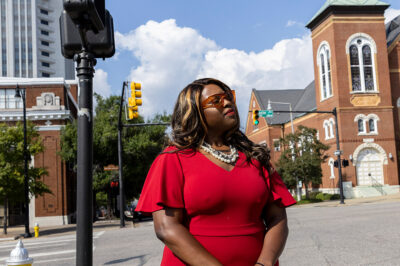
(134, 101)
(255, 117)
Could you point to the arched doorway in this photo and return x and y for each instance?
(369, 167)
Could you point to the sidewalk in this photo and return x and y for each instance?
(15, 232)
(351, 202)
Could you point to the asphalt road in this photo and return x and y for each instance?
(365, 234)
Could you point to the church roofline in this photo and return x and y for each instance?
(346, 7)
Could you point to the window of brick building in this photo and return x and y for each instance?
(361, 50)
(324, 63)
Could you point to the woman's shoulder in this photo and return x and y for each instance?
(173, 151)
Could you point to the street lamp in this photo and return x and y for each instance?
(20, 93)
(291, 122)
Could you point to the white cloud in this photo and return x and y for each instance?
(391, 13)
(291, 23)
(100, 83)
(170, 57)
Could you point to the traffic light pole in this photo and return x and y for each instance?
(121, 184)
(84, 216)
(338, 157)
(334, 113)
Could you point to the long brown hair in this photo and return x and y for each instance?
(189, 127)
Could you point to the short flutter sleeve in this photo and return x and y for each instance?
(279, 192)
(164, 184)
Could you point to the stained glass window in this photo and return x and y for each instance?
(360, 125)
(371, 124)
(368, 74)
(361, 65)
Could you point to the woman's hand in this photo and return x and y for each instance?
(170, 230)
(277, 233)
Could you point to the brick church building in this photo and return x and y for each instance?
(357, 70)
(50, 104)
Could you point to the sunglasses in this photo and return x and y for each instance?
(217, 100)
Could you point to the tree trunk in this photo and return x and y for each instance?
(5, 216)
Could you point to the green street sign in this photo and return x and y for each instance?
(266, 113)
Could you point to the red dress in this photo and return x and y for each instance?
(223, 208)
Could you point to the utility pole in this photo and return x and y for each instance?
(87, 33)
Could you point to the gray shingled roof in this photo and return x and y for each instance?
(392, 30)
(301, 99)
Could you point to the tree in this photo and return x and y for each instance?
(12, 165)
(141, 145)
(309, 154)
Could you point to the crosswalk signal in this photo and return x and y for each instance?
(134, 101)
(255, 117)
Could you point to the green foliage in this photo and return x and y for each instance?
(335, 197)
(307, 201)
(12, 162)
(308, 154)
(141, 145)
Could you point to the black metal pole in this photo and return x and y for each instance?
(84, 217)
(121, 183)
(26, 181)
(334, 112)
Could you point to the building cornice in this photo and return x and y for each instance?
(9, 81)
(36, 115)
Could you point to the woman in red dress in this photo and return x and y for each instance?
(214, 197)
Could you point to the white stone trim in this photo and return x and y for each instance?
(365, 119)
(323, 49)
(332, 167)
(323, 43)
(35, 115)
(361, 35)
(50, 128)
(370, 145)
(398, 102)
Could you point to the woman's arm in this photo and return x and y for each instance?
(170, 230)
(276, 236)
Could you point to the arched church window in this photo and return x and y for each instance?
(371, 125)
(325, 70)
(361, 51)
(355, 68)
(361, 128)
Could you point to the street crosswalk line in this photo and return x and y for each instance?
(31, 242)
(35, 255)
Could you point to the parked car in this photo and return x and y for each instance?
(135, 214)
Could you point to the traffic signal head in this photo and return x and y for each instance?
(345, 163)
(134, 101)
(255, 117)
(336, 163)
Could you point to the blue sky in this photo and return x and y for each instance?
(247, 44)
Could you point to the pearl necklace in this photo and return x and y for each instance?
(227, 158)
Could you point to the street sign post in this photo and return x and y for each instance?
(266, 113)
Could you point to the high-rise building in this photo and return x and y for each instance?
(30, 40)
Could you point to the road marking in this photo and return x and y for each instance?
(46, 254)
(27, 244)
(99, 234)
(41, 242)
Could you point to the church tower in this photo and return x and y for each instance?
(351, 69)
